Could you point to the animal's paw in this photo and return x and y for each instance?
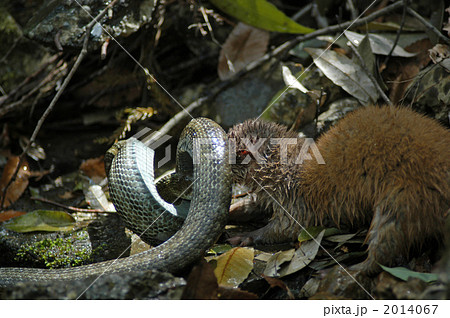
(241, 240)
(245, 211)
(260, 236)
(368, 267)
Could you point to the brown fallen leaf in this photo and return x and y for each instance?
(94, 168)
(276, 282)
(228, 293)
(245, 44)
(67, 195)
(401, 72)
(234, 266)
(6, 215)
(18, 186)
(201, 283)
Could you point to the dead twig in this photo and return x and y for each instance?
(397, 37)
(68, 207)
(24, 83)
(428, 25)
(183, 114)
(51, 76)
(50, 107)
(337, 28)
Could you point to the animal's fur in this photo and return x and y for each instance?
(386, 168)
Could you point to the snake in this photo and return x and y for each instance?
(202, 156)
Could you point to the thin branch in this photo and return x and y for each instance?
(57, 95)
(26, 81)
(183, 114)
(70, 75)
(277, 51)
(302, 12)
(351, 7)
(400, 29)
(68, 207)
(341, 26)
(428, 25)
(285, 47)
(51, 76)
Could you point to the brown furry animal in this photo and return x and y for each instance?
(385, 167)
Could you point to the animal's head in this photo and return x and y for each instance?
(254, 142)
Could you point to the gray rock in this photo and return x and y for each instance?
(63, 23)
(103, 239)
(138, 285)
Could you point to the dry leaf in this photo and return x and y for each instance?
(96, 199)
(275, 262)
(41, 220)
(245, 44)
(234, 266)
(18, 186)
(440, 54)
(345, 73)
(4, 216)
(263, 256)
(303, 256)
(94, 168)
(379, 44)
(276, 282)
(201, 283)
(229, 293)
(295, 259)
(447, 25)
(402, 72)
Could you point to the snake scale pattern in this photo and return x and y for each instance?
(134, 194)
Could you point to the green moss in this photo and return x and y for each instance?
(8, 24)
(59, 252)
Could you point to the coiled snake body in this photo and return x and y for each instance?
(135, 196)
